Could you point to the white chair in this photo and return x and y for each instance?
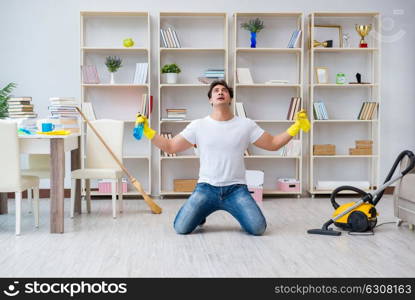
(39, 166)
(11, 180)
(100, 164)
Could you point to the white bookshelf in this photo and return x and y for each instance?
(101, 35)
(197, 53)
(268, 104)
(343, 102)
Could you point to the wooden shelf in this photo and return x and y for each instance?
(180, 157)
(344, 121)
(331, 191)
(113, 49)
(273, 156)
(190, 49)
(344, 49)
(276, 50)
(174, 121)
(184, 85)
(171, 193)
(136, 157)
(274, 121)
(101, 34)
(117, 85)
(334, 85)
(130, 193)
(344, 156)
(278, 192)
(261, 85)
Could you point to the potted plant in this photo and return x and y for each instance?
(4, 96)
(254, 26)
(170, 72)
(113, 63)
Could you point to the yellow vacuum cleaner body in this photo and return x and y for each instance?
(362, 218)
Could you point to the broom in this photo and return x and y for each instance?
(150, 202)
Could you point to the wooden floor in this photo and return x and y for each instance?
(139, 244)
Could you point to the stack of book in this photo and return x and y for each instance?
(295, 37)
(90, 74)
(63, 114)
(20, 107)
(295, 106)
(176, 113)
(368, 111)
(320, 111)
(169, 136)
(211, 75)
(169, 39)
(140, 75)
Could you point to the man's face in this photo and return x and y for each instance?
(220, 96)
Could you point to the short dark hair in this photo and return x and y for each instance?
(220, 82)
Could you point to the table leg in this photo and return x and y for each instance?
(57, 185)
(3, 203)
(76, 164)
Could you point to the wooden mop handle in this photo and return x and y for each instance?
(154, 207)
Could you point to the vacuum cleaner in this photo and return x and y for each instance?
(361, 216)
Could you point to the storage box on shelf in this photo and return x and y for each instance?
(350, 96)
(102, 35)
(266, 78)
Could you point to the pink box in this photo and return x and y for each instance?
(285, 185)
(105, 187)
(256, 193)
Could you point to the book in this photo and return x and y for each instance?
(88, 110)
(90, 74)
(240, 110)
(244, 76)
(295, 106)
(140, 75)
(174, 38)
(163, 38)
(295, 36)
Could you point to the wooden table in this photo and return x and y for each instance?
(56, 146)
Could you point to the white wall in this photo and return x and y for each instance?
(39, 49)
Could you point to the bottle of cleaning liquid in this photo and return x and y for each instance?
(138, 129)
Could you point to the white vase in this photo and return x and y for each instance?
(171, 77)
(112, 81)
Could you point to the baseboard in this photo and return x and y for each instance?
(45, 193)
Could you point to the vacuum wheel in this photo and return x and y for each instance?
(358, 222)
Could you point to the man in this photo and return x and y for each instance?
(222, 139)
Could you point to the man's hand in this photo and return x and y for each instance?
(148, 132)
(301, 122)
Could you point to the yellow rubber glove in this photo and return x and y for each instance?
(147, 131)
(301, 122)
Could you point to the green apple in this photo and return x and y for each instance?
(128, 42)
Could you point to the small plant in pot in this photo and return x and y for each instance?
(4, 96)
(113, 63)
(254, 26)
(170, 72)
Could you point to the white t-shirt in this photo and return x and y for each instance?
(221, 146)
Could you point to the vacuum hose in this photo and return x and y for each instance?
(367, 197)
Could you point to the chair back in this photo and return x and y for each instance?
(9, 157)
(97, 156)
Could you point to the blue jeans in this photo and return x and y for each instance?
(234, 199)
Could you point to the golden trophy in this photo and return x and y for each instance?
(363, 30)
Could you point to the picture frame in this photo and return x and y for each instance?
(329, 32)
(322, 75)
